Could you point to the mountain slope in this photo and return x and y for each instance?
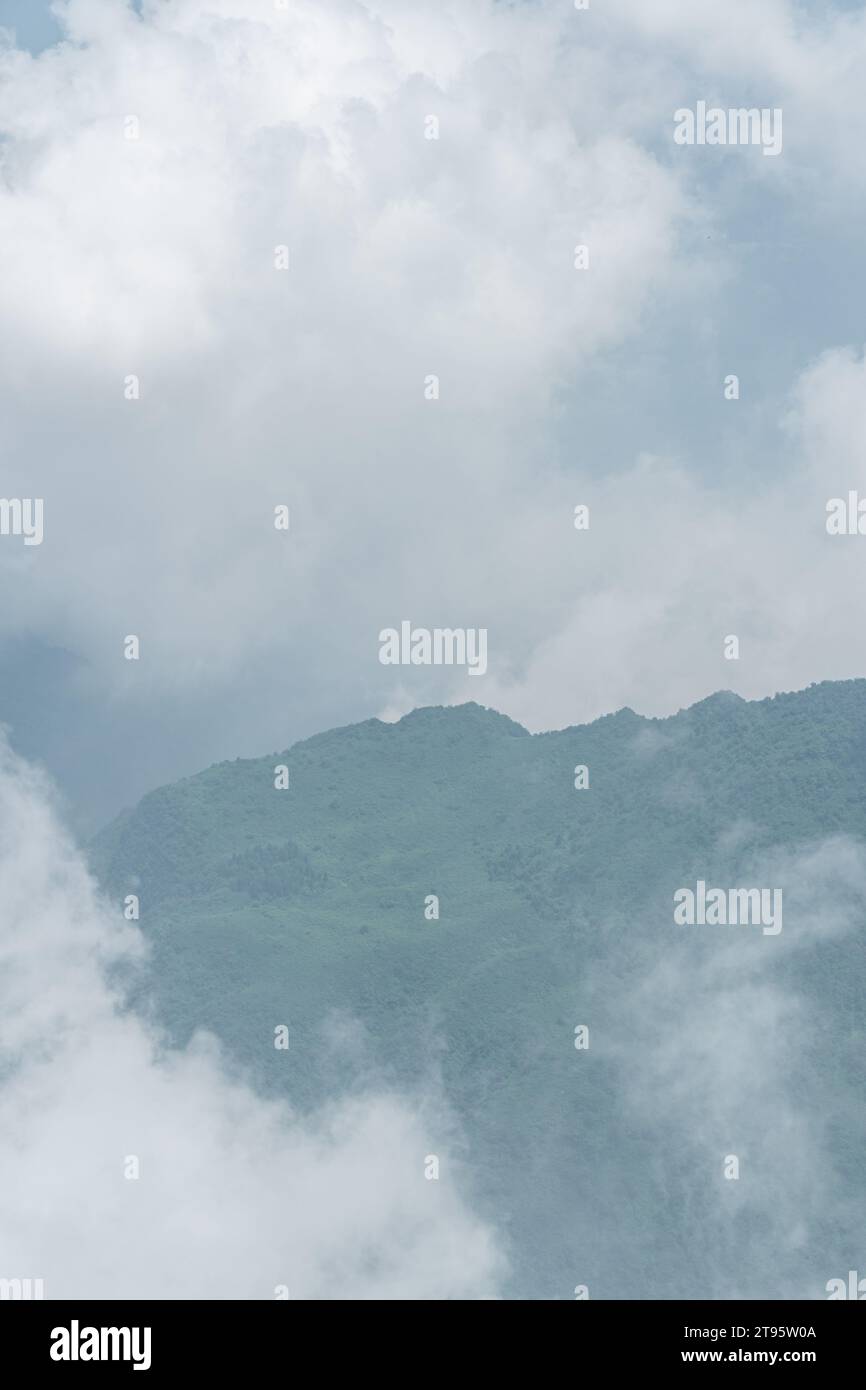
(601, 1166)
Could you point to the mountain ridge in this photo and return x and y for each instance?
(305, 905)
(707, 702)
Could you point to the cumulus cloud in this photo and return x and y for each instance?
(255, 128)
(727, 1045)
(801, 57)
(235, 1195)
(154, 257)
(638, 609)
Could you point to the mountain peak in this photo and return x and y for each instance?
(469, 713)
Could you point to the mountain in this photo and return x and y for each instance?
(606, 1165)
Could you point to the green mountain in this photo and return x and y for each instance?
(601, 1166)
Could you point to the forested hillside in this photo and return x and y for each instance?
(305, 906)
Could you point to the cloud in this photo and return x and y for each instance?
(236, 1195)
(638, 608)
(305, 127)
(729, 1044)
(154, 257)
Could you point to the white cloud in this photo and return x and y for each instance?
(725, 1048)
(236, 1195)
(408, 257)
(305, 127)
(637, 608)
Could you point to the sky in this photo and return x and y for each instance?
(34, 26)
(153, 165)
(234, 258)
